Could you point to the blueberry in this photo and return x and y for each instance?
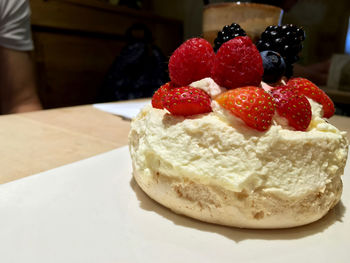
(274, 66)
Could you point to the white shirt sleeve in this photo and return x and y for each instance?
(15, 32)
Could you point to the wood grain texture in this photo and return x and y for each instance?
(39, 141)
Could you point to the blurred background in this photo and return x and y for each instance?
(89, 51)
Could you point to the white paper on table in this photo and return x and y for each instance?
(92, 211)
(127, 110)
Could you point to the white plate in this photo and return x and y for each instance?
(92, 211)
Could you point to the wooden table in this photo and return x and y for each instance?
(39, 141)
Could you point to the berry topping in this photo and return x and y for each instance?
(286, 40)
(158, 96)
(274, 66)
(191, 61)
(313, 92)
(252, 104)
(187, 101)
(237, 64)
(292, 106)
(227, 33)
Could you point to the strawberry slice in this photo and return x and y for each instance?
(158, 96)
(292, 106)
(310, 90)
(252, 104)
(187, 101)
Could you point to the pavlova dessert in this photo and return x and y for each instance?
(227, 141)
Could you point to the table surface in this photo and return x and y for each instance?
(38, 141)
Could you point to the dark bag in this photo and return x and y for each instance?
(139, 70)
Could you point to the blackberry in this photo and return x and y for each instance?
(228, 32)
(286, 40)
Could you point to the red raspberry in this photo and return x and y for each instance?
(237, 64)
(292, 106)
(187, 101)
(158, 96)
(310, 90)
(191, 61)
(252, 104)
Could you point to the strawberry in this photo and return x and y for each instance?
(191, 61)
(292, 106)
(237, 64)
(252, 104)
(310, 90)
(187, 101)
(158, 96)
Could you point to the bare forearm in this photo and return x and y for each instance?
(17, 82)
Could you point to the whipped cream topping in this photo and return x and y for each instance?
(219, 149)
(209, 86)
(212, 149)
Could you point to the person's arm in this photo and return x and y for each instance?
(17, 82)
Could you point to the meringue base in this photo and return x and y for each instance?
(259, 210)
